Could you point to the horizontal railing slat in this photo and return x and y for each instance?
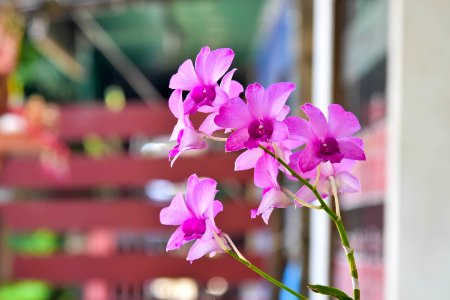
(120, 171)
(122, 214)
(132, 268)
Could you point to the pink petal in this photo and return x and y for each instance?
(247, 160)
(347, 183)
(298, 128)
(202, 196)
(190, 140)
(280, 131)
(340, 122)
(221, 98)
(231, 87)
(344, 166)
(236, 140)
(316, 119)
(277, 95)
(203, 246)
(176, 213)
(283, 113)
(304, 194)
(209, 126)
(217, 63)
(176, 103)
(307, 159)
(226, 81)
(355, 140)
(234, 115)
(212, 211)
(351, 150)
(266, 171)
(258, 103)
(217, 207)
(266, 215)
(176, 240)
(186, 78)
(192, 181)
(235, 89)
(273, 198)
(200, 62)
(176, 130)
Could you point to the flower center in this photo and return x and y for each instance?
(328, 150)
(204, 95)
(329, 146)
(260, 130)
(193, 228)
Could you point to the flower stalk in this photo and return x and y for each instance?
(349, 252)
(265, 275)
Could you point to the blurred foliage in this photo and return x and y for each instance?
(40, 242)
(40, 76)
(25, 290)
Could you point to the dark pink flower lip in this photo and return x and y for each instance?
(328, 150)
(193, 228)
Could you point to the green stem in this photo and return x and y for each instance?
(336, 219)
(265, 275)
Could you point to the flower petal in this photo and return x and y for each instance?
(247, 160)
(257, 102)
(280, 131)
(176, 103)
(186, 78)
(347, 183)
(344, 166)
(235, 89)
(203, 246)
(341, 123)
(266, 172)
(176, 213)
(277, 95)
(299, 128)
(200, 62)
(316, 119)
(226, 80)
(236, 140)
(307, 159)
(209, 126)
(351, 150)
(176, 240)
(304, 194)
(192, 181)
(273, 198)
(235, 114)
(202, 196)
(217, 63)
(283, 113)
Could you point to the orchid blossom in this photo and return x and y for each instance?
(344, 180)
(258, 121)
(326, 140)
(184, 132)
(201, 81)
(194, 215)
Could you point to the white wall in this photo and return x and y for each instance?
(418, 205)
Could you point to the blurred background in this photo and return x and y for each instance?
(84, 126)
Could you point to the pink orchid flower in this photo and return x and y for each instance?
(201, 81)
(228, 89)
(258, 121)
(266, 173)
(326, 140)
(345, 181)
(184, 132)
(194, 216)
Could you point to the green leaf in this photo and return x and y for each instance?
(330, 291)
